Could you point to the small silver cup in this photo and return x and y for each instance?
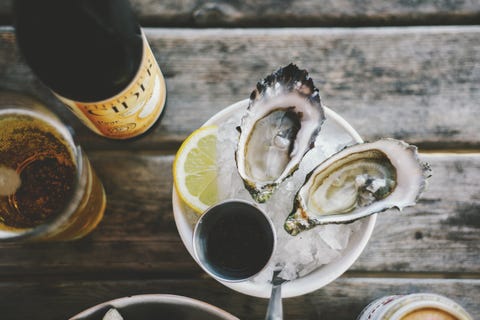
(234, 240)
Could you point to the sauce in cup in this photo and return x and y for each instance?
(233, 240)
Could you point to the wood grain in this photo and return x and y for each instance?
(274, 13)
(417, 84)
(420, 84)
(341, 300)
(437, 236)
(440, 229)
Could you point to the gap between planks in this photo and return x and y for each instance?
(199, 275)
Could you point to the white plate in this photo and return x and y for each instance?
(160, 304)
(185, 221)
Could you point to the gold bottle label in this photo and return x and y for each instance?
(131, 112)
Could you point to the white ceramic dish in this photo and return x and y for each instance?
(185, 221)
(157, 306)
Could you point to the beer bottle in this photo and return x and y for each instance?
(95, 58)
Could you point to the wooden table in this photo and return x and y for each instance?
(402, 69)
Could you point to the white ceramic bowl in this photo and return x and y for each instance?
(185, 221)
(157, 306)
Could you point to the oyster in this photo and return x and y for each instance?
(280, 125)
(358, 181)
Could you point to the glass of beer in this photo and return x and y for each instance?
(48, 190)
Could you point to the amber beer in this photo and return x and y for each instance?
(48, 190)
(417, 306)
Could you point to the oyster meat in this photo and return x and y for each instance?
(359, 181)
(280, 125)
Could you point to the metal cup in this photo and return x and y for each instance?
(234, 240)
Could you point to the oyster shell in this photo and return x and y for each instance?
(280, 125)
(359, 181)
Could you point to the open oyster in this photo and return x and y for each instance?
(358, 181)
(280, 125)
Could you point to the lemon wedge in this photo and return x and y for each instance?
(195, 169)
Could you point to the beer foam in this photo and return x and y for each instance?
(429, 314)
(9, 181)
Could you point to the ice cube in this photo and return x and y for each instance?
(112, 314)
(337, 235)
(289, 271)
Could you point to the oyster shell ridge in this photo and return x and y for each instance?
(284, 81)
(299, 219)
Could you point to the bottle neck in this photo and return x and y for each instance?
(85, 50)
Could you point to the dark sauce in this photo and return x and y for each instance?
(239, 241)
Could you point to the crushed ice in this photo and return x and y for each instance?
(298, 255)
(9, 181)
(112, 314)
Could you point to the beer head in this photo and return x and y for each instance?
(48, 190)
(429, 314)
(416, 306)
(38, 170)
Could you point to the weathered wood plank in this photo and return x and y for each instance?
(137, 233)
(447, 216)
(341, 300)
(309, 13)
(201, 13)
(438, 236)
(417, 84)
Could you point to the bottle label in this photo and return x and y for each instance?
(131, 112)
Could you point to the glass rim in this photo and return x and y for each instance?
(81, 175)
(196, 231)
(418, 301)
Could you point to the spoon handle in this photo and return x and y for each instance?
(275, 308)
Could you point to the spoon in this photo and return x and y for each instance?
(275, 308)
